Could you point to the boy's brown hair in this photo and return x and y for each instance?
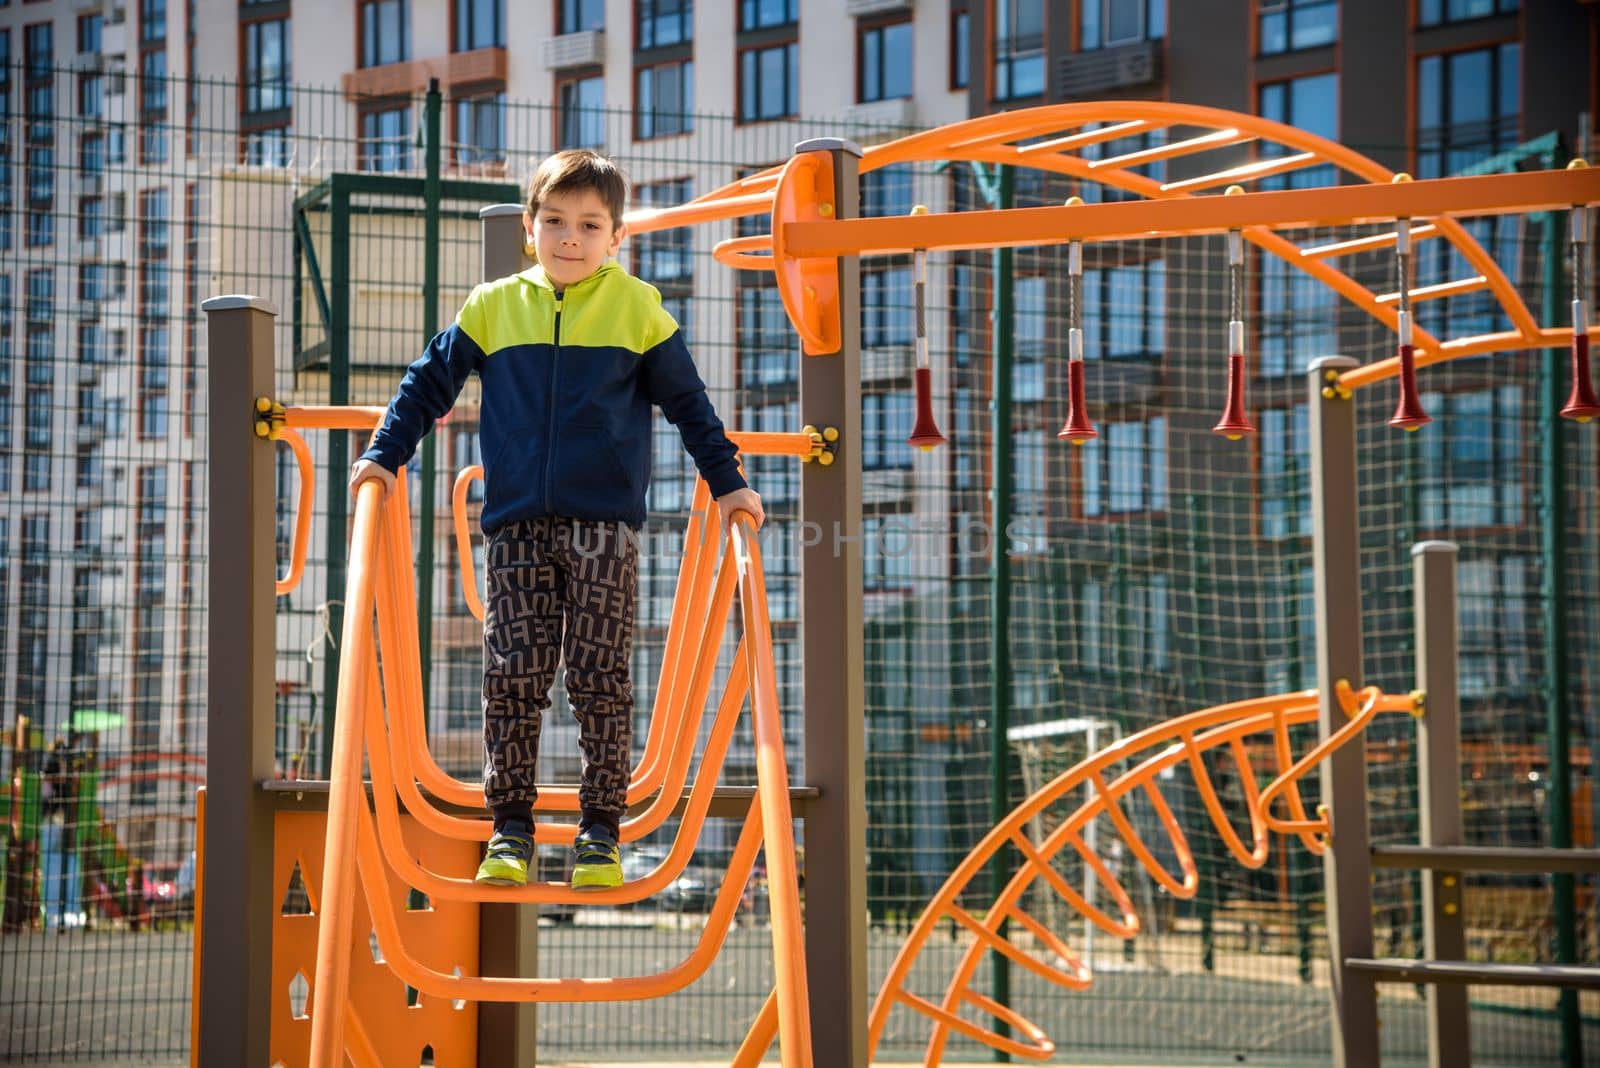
(576, 169)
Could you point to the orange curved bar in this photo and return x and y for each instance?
(485, 988)
(333, 417)
(1178, 741)
(302, 517)
(345, 794)
(1480, 345)
(414, 761)
(808, 287)
(400, 586)
(1256, 855)
(1360, 708)
(772, 773)
(458, 511)
(710, 208)
(745, 253)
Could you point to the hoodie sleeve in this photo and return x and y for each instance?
(429, 389)
(674, 386)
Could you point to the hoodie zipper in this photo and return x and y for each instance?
(550, 413)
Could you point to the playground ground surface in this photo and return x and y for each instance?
(59, 999)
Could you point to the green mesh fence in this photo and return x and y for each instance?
(1157, 570)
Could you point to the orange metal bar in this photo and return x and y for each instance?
(1215, 139)
(1089, 137)
(1441, 289)
(333, 417)
(772, 773)
(1494, 194)
(458, 511)
(345, 794)
(1460, 348)
(1179, 741)
(410, 744)
(302, 518)
(697, 211)
(1247, 172)
(1367, 244)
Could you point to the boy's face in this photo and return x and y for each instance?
(572, 235)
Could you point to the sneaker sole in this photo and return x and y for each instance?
(496, 880)
(596, 880)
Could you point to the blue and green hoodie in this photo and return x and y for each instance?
(568, 383)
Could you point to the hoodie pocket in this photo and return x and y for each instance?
(592, 473)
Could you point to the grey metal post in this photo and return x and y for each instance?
(236, 930)
(1439, 790)
(508, 934)
(833, 664)
(1336, 563)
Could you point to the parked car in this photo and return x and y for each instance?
(167, 888)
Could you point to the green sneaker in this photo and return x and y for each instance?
(506, 860)
(598, 863)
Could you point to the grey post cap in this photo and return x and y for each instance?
(1332, 363)
(237, 301)
(829, 144)
(1434, 547)
(495, 211)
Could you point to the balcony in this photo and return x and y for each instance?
(411, 77)
(88, 6)
(1110, 69)
(899, 111)
(857, 9)
(583, 49)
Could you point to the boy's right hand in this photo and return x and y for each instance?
(366, 470)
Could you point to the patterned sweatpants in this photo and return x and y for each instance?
(559, 587)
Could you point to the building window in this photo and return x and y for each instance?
(1471, 473)
(1018, 48)
(1468, 106)
(1297, 319)
(480, 24)
(266, 65)
(582, 120)
(1290, 25)
(576, 16)
(91, 96)
(153, 382)
(267, 147)
(386, 140)
(89, 34)
(883, 67)
(663, 257)
(886, 420)
(887, 307)
(1310, 104)
(39, 49)
(1109, 23)
(1143, 644)
(960, 39)
(152, 21)
(1124, 310)
(769, 82)
(481, 128)
(665, 22)
(1124, 470)
(1284, 481)
(765, 339)
(155, 211)
(385, 32)
(664, 100)
(765, 14)
(1498, 599)
(1030, 339)
(41, 295)
(1438, 12)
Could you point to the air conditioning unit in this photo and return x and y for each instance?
(862, 8)
(583, 49)
(1124, 67)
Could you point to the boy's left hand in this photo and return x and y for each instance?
(740, 500)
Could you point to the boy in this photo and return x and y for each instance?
(572, 354)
